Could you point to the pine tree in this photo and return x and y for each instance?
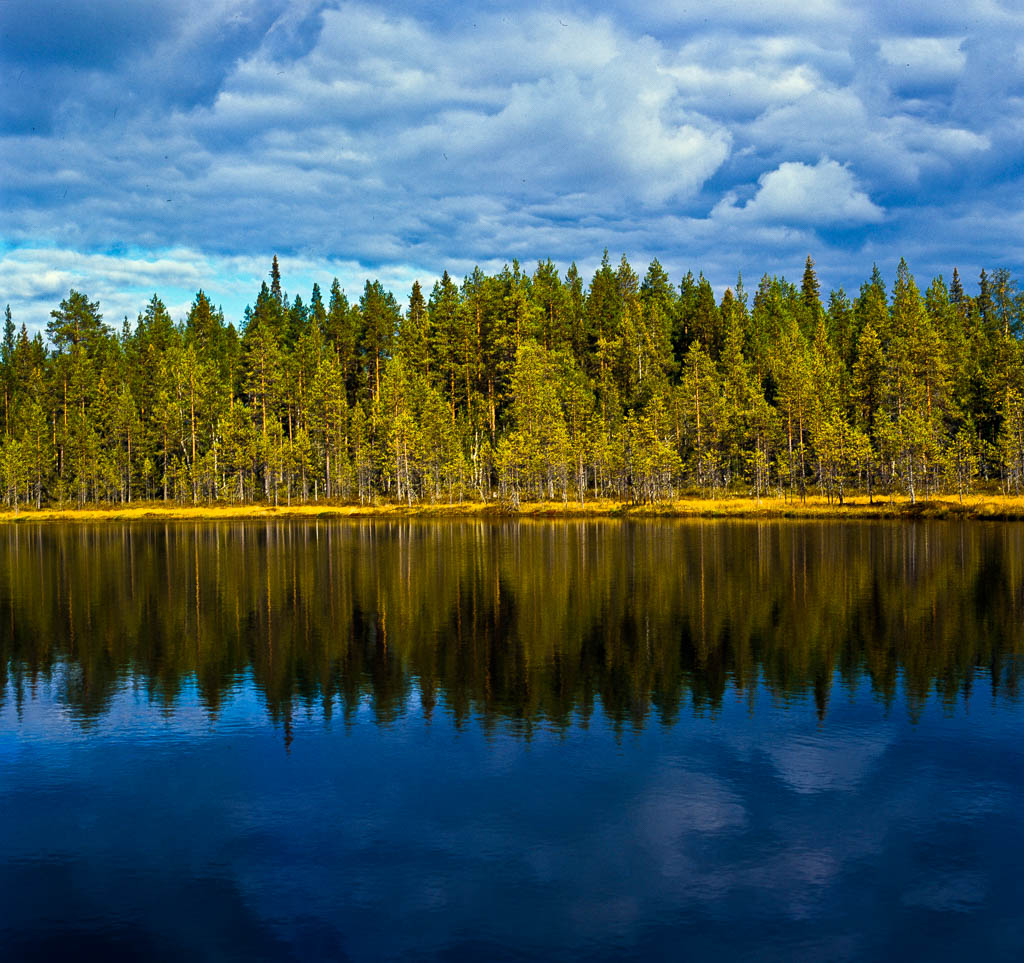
(413, 343)
(275, 282)
(380, 316)
(575, 307)
(603, 314)
(810, 295)
(546, 290)
(7, 367)
(956, 289)
(7, 351)
(317, 311)
(699, 391)
(77, 322)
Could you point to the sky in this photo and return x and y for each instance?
(178, 144)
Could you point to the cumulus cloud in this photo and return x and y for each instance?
(795, 193)
(354, 133)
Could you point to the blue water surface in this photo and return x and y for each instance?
(755, 828)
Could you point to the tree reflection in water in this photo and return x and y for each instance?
(510, 623)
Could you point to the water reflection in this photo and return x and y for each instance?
(511, 741)
(510, 623)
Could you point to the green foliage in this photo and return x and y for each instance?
(519, 385)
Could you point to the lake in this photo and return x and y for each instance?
(511, 740)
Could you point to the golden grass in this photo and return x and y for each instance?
(159, 511)
(972, 506)
(738, 506)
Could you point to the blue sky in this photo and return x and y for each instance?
(181, 143)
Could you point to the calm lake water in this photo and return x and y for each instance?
(479, 740)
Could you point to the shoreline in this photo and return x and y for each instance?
(979, 507)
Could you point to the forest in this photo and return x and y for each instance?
(519, 385)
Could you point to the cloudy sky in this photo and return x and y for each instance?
(174, 144)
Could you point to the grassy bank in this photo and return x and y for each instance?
(974, 506)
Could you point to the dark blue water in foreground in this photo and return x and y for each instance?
(293, 743)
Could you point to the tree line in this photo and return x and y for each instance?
(521, 385)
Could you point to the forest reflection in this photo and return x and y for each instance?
(512, 623)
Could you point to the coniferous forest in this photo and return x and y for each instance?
(527, 386)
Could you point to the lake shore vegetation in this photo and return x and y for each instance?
(992, 507)
(529, 393)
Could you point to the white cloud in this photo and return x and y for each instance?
(123, 282)
(929, 56)
(582, 103)
(794, 193)
(371, 135)
(746, 89)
